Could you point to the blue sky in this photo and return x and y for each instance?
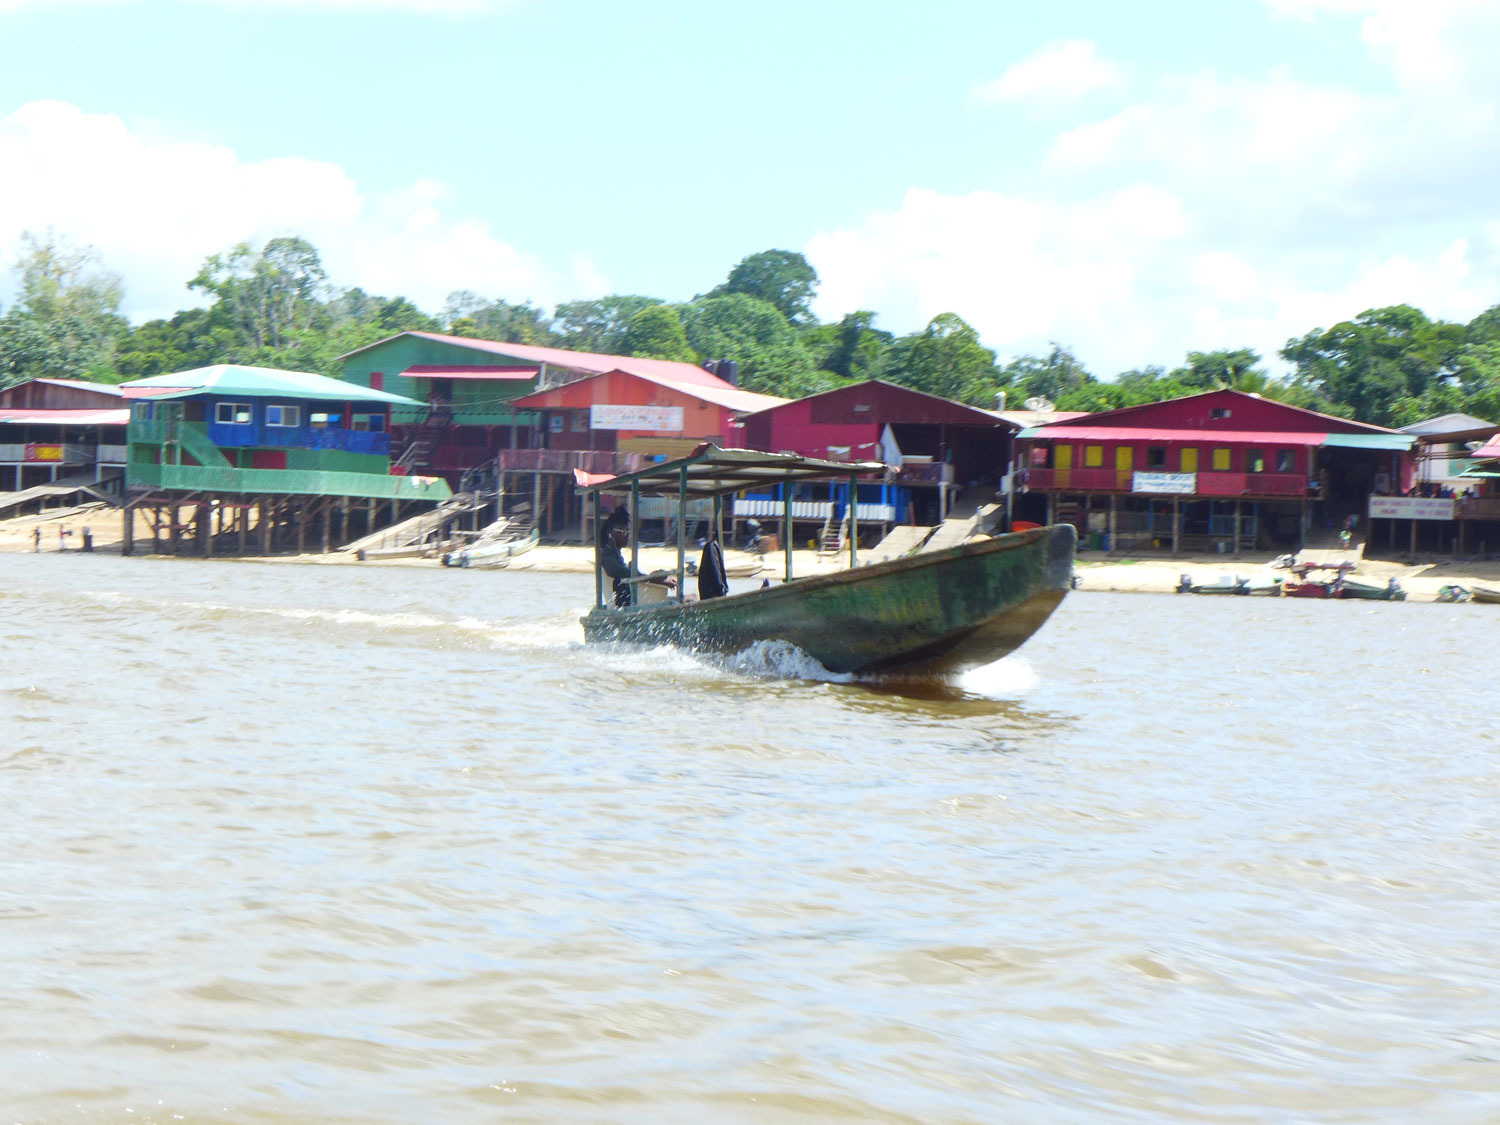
(1130, 180)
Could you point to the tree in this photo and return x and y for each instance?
(1366, 364)
(753, 333)
(267, 296)
(781, 278)
(599, 325)
(852, 349)
(1051, 377)
(655, 332)
(946, 359)
(469, 314)
(66, 323)
(1236, 370)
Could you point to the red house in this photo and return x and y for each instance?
(1222, 470)
(937, 445)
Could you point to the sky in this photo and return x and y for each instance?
(1131, 181)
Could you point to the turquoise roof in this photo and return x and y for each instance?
(1368, 441)
(258, 382)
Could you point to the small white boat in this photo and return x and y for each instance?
(494, 549)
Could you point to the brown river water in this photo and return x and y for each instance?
(327, 844)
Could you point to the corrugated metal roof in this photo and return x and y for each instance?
(84, 385)
(1369, 441)
(1075, 432)
(119, 417)
(258, 382)
(723, 394)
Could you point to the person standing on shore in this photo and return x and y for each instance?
(36, 539)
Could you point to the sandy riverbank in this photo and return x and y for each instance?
(1124, 575)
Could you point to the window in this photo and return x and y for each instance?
(371, 423)
(1093, 456)
(580, 421)
(320, 421)
(284, 416)
(1220, 412)
(1156, 457)
(1221, 460)
(1255, 460)
(1041, 456)
(1286, 461)
(234, 414)
(1188, 461)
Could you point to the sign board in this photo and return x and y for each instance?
(38, 452)
(652, 419)
(1177, 484)
(1410, 508)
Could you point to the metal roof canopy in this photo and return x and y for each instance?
(1369, 441)
(712, 471)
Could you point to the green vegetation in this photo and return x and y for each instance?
(273, 306)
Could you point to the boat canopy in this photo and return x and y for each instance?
(711, 471)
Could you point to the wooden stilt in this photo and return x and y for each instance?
(265, 525)
(127, 535)
(327, 506)
(302, 527)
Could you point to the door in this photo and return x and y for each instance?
(1063, 459)
(1124, 466)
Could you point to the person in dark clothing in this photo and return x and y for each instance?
(712, 581)
(611, 554)
(612, 557)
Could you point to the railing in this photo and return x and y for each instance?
(566, 460)
(112, 454)
(1078, 480)
(1479, 508)
(922, 473)
(286, 482)
(228, 436)
(1252, 484)
(1207, 484)
(809, 510)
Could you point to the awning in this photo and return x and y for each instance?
(118, 417)
(1369, 441)
(518, 374)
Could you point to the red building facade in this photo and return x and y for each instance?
(1222, 467)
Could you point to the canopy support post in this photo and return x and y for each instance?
(598, 553)
(786, 523)
(682, 532)
(635, 535)
(853, 520)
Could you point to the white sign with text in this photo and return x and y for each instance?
(653, 419)
(1183, 484)
(1410, 508)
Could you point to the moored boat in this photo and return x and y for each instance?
(493, 552)
(1484, 594)
(1372, 591)
(942, 611)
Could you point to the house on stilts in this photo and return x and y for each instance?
(232, 459)
(1218, 471)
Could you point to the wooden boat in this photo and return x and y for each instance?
(937, 612)
(1223, 584)
(1453, 593)
(1371, 591)
(1484, 594)
(1302, 584)
(492, 552)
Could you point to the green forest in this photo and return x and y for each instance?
(272, 306)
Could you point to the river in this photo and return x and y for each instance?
(294, 843)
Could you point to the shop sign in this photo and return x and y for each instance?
(37, 452)
(1177, 484)
(650, 419)
(1411, 508)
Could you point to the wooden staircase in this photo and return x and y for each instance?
(418, 452)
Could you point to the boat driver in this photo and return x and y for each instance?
(612, 557)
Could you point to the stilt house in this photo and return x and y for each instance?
(220, 451)
(1223, 470)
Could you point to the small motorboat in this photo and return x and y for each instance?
(1484, 594)
(1223, 584)
(1453, 593)
(1373, 591)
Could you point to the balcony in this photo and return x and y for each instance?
(1479, 508)
(227, 436)
(566, 460)
(284, 482)
(1205, 484)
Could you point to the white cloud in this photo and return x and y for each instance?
(1219, 211)
(1059, 70)
(156, 209)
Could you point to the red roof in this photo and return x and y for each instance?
(67, 417)
(1066, 431)
(716, 391)
(429, 371)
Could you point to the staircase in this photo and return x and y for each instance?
(834, 537)
(418, 452)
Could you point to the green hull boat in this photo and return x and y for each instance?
(932, 613)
